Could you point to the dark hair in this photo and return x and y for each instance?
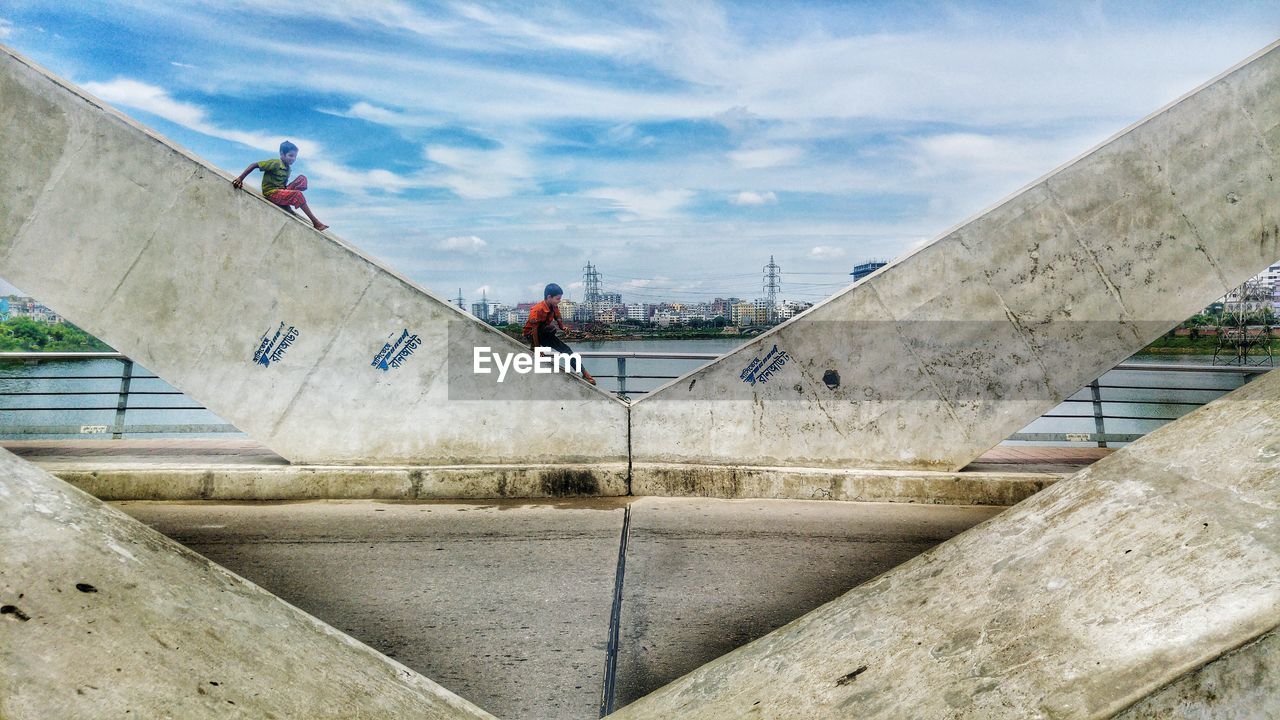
(552, 289)
(287, 147)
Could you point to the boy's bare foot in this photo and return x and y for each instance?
(320, 226)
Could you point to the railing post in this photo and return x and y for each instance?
(1098, 424)
(622, 377)
(122, 400)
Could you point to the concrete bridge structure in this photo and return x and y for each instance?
(1137, 586)
(924, 365)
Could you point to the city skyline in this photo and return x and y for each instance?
(499, 148)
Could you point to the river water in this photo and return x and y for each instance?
(1174, 394)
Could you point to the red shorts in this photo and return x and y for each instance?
(292, 195)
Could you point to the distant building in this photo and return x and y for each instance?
(744, 313)
(1257, 293)
(500, 313)
(762, 310)
(1271, 280)
(866, 268)
(791, 308)
(638, 311)
(665, 317)
(25, 307)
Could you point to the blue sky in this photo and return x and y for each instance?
(677, 145)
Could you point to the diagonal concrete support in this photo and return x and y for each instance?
(1076, 603)
(1242, 684)
(104, 617)
(152, 250)
(946, 352)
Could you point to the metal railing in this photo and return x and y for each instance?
(115, 400)
(1109, 398)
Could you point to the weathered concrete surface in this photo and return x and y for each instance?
(153, 251)
(223, 469)
(1002, 488)
(102, 617)
(947, 351)
(705, 577)
(505, 603)
(1076, 603)
(336, 482)
(1241, 685)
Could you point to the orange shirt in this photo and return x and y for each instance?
(541, 314)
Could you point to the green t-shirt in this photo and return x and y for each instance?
(275, 175)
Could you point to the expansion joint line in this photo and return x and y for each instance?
(615, 621)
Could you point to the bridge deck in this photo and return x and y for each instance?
(467, 592)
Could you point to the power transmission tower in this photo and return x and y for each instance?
(460, 301)
(591, 283)
(772, 284)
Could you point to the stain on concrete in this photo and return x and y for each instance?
(86, 588)
(562, 483)
(15, 612)
(851, 676)
(831, 379)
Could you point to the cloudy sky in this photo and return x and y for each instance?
(677, 145)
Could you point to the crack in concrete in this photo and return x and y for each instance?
(1027, 339)
(142, 252)
(1217, 270)
(59, 172)
(929, 377)
(1076, 237)
(323, 355)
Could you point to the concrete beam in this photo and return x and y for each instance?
(941, 355)
(337, 482)
(1241, 685)
(152, 250)
(102, 617)
(1076, 603)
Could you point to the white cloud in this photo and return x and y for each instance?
(826, 252)
(156, 100)
(480, 174)
(637, 204)
(765, 157)
(175, 63)
(749, 197)
(6, 28)
(389, 14)
(384, 116)
(965, 172)
(520, 31)
(469, 244)
(334, 175)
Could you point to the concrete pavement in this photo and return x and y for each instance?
(705, 577)
(507, 603)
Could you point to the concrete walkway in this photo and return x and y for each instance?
(508, 603)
